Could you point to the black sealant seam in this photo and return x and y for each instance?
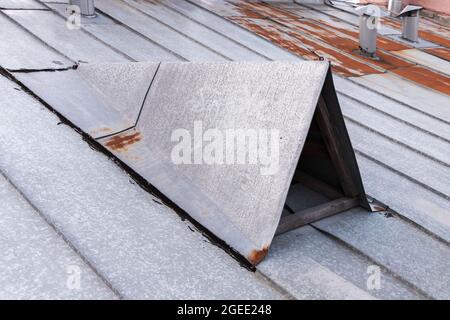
(140, 109)
(148, 90)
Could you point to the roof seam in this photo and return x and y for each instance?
(398, 101)
(126, 56)
(422, 153)
(140, 34)
(177, 31)
(65, 239)
(342, 242)
(239, 26)
(423, 185)
(36, 37)
(394, 117)
(215, 31)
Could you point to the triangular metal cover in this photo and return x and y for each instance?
(239, 203)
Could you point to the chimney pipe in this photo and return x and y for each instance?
(87, 7)
(368, 28)
(395, 7)
(410, 23)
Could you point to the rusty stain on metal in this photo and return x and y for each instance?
(263, 9)
(426, 78)
(443, 53)
(382, 42)
(341, 63)
(256, 256)
(226, 9)
(428, 35)
(346, 43)
(273, 34)
(103, 130)
(311, 38)
(121, 142)
(304, 47)
(442, 41)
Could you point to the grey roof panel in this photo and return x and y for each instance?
(400, 132)
(410, 163)
(35, 262)
(75, 44)
(403, 195)
(161, 34)
(311, 265)
(409, 252)
(75, 99)
(120, 37)
(29, 53)
(20, 4)
(417, 116)
(230, 30)
(200, 33)
(421, 98)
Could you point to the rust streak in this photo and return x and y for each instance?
(274, 35)
(256, 256)
(101, 130)
(123, 141)
(345, 41)
(263, 9)
(442, 41)
(428, 35)
(302, 46)
(442, 53)
(343, 64)
(426, 78)
(347, 44)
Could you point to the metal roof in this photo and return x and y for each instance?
(133, 109)
(395, 109)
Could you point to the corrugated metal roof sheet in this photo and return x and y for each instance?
(399, 125)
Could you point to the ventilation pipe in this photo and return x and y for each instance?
(368, 28)
(410, 23)
(395, 7)
(87, 7)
